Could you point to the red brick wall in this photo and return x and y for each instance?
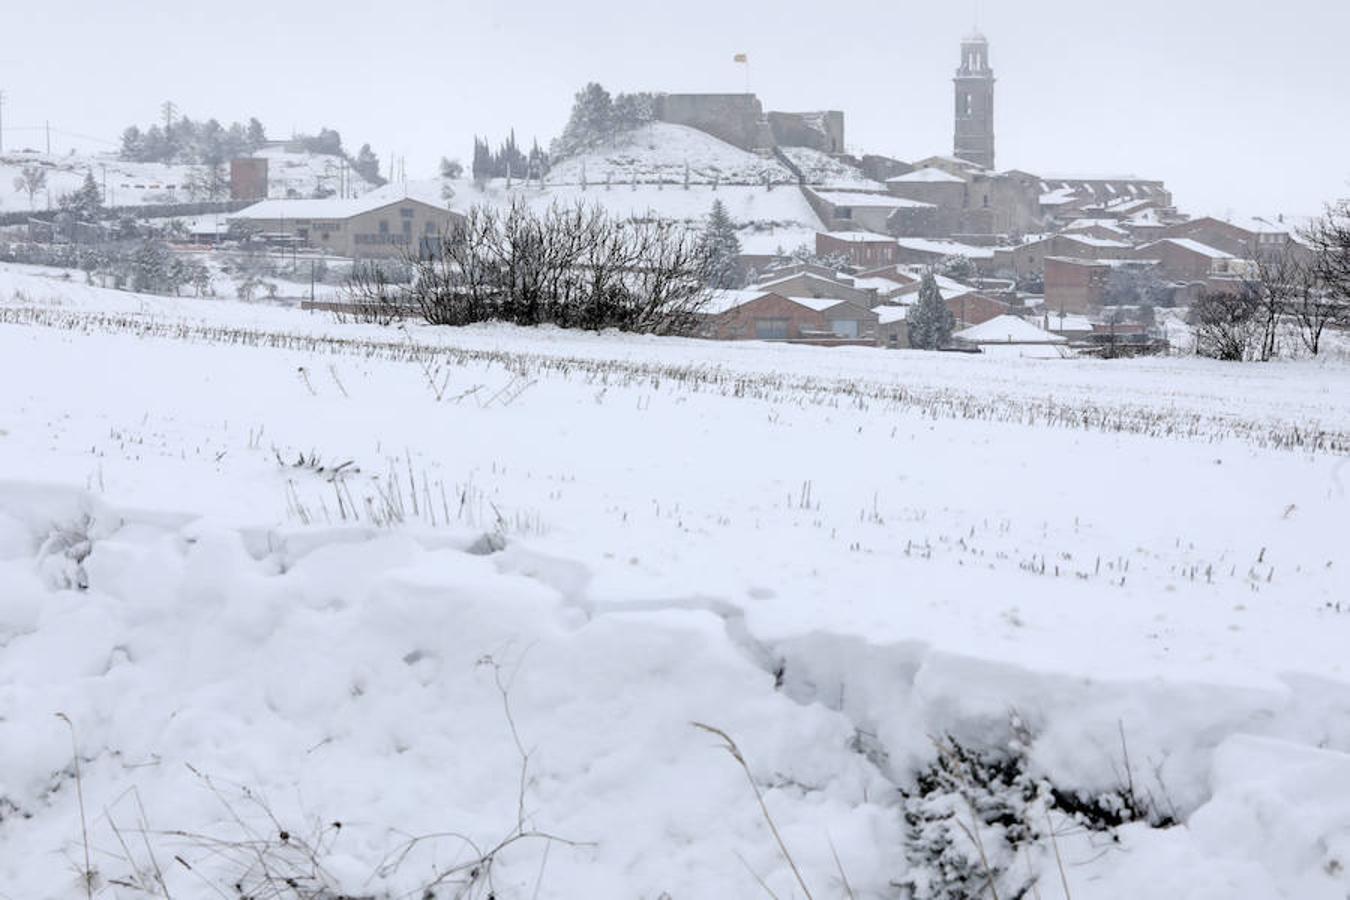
(1074, 287)
(869, 255)
(973, 309)
(739, 323)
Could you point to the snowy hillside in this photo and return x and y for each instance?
(659, 152)
(136, 184)
(767, 217)
(822, 169)
(405, 612)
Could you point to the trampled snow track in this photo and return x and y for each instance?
(943, 403)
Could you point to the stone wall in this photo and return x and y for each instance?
(823, 131)
(737, 119)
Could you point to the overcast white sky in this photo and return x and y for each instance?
(1238, 105)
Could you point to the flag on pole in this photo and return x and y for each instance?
(741, 58)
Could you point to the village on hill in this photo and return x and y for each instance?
(821, 245)
(688, 505)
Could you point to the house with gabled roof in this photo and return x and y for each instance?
(377, 224)
(762, 315)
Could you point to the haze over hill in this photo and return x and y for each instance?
(1235, 114)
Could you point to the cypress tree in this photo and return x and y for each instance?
(930, 320)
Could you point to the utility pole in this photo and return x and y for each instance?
(48, 126)
(2, 120)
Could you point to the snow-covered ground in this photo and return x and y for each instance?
(660, 151)
(137, 184)
(383, 609)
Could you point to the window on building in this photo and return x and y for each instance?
(771, 329)
(384, 226)
(844, 328)
(430, 228)
(406, 212)
(843, 212)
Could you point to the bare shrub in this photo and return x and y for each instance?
(1228, 325)
(574, 267)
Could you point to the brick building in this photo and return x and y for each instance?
(863, 249)
(1075, 285)
(1184, 259)
(771, 316)
(1028, 260)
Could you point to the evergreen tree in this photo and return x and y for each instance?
(591, 121)
(367, 165)
(236, 141)
(257, 136)
(633, 111)
(538, 161)
(482, 161)
(721, 248)
(451, 169)
(85, 204)
(133, 145)
(930, 320)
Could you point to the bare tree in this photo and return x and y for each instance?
(1327, 303)
(575, 267)
(1290, 289)
(30, 180)
(1228, 325)
(1329, 238)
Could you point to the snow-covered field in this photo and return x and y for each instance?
(136, 184)
(384, 610)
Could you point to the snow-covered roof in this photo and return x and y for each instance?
(1194, 246)
(878, 283)
(1083, 224)
(1068, 322)
(1008, 329)
(927, 175)
(810, 276)
(860, 237)
(1098, 178)
(721, 301)
(887, 315)
(819, 304)
(1145, 217)
(1058, 197)
(945, 248)
(847, 198)
(328, 208)
(1089, 241)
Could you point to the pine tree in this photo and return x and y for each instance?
(721, 248)
(451, 169)
(133, 145)
(257, 136)
(930, 320)
(482, 161)
(367, 165)
(591, 122)
(86, 202)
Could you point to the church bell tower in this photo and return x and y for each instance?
(975, 103)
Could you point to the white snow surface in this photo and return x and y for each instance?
(660, 151)
(138, 184)
(830, 555)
